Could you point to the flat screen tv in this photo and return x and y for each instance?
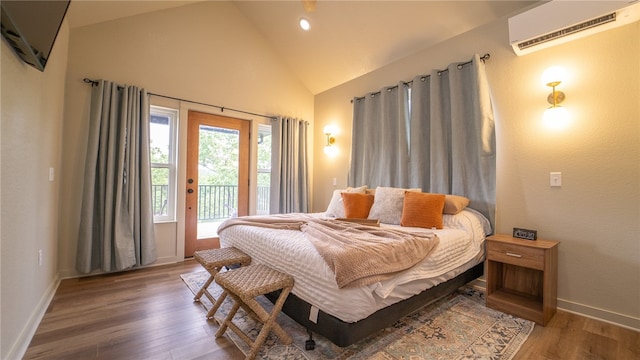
(31, 28)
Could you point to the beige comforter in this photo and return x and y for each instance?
(359, 255)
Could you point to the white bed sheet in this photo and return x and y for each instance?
(461, 247)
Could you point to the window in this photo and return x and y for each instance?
(264, 169)
(162, 133)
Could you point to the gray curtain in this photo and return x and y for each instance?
(450, 138)
(116, 221)
(380, 139)
(289, 166)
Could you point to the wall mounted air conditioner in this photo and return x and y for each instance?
(559, 21)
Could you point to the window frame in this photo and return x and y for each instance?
(173, 116)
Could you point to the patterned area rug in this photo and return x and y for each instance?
(459, 326)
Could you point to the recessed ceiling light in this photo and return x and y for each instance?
(304, 24)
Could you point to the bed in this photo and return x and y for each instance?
(345, 315)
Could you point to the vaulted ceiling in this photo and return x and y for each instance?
(347, 38)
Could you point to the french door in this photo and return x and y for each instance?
(217, 177)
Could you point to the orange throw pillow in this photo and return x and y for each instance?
(356, 205)
(422, 210)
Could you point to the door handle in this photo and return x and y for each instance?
(190, 191)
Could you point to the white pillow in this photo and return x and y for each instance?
(336, 206)
(387, 204)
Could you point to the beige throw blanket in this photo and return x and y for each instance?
(359, 255)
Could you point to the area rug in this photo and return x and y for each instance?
(458, 326)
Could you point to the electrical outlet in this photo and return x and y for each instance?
(40, 257)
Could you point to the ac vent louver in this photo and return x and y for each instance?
(559, 21)
(568, 31)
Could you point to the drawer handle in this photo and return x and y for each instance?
(514, 255)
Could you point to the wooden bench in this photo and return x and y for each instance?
(244, 285)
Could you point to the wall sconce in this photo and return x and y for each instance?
(555, 116)
(329, 148)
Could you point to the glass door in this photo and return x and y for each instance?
(217, 177)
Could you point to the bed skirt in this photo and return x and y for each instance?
(344, 334)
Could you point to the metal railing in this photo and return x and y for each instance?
(215, 202)
(159, 196)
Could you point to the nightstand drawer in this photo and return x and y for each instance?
(516, 255)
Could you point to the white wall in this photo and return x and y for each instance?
(596, 213)
(31, 133)
(206, 52)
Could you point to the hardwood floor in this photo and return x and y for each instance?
(570, 336)
(150, 314)
(142, 314)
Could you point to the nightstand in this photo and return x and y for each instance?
(522, 277)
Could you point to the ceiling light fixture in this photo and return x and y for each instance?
(304, 24)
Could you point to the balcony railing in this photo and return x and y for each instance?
(215, 202)
(159, 196)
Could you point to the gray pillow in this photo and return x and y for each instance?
(387, 204)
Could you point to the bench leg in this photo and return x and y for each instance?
(254, 309)
(227, 320)
(204, 288)
(215, 307)
(269, 319)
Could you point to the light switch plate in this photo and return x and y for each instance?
(555, 179)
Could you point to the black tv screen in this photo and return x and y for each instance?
(31, 28)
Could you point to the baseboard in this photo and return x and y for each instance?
(72, 273)
(607, 316)
(19, 348)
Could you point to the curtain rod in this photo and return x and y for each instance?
(483, 58)
(222, 108)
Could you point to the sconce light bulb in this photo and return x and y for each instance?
(329, 130)
(553, 76)
(330, 150)
(556, 117)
